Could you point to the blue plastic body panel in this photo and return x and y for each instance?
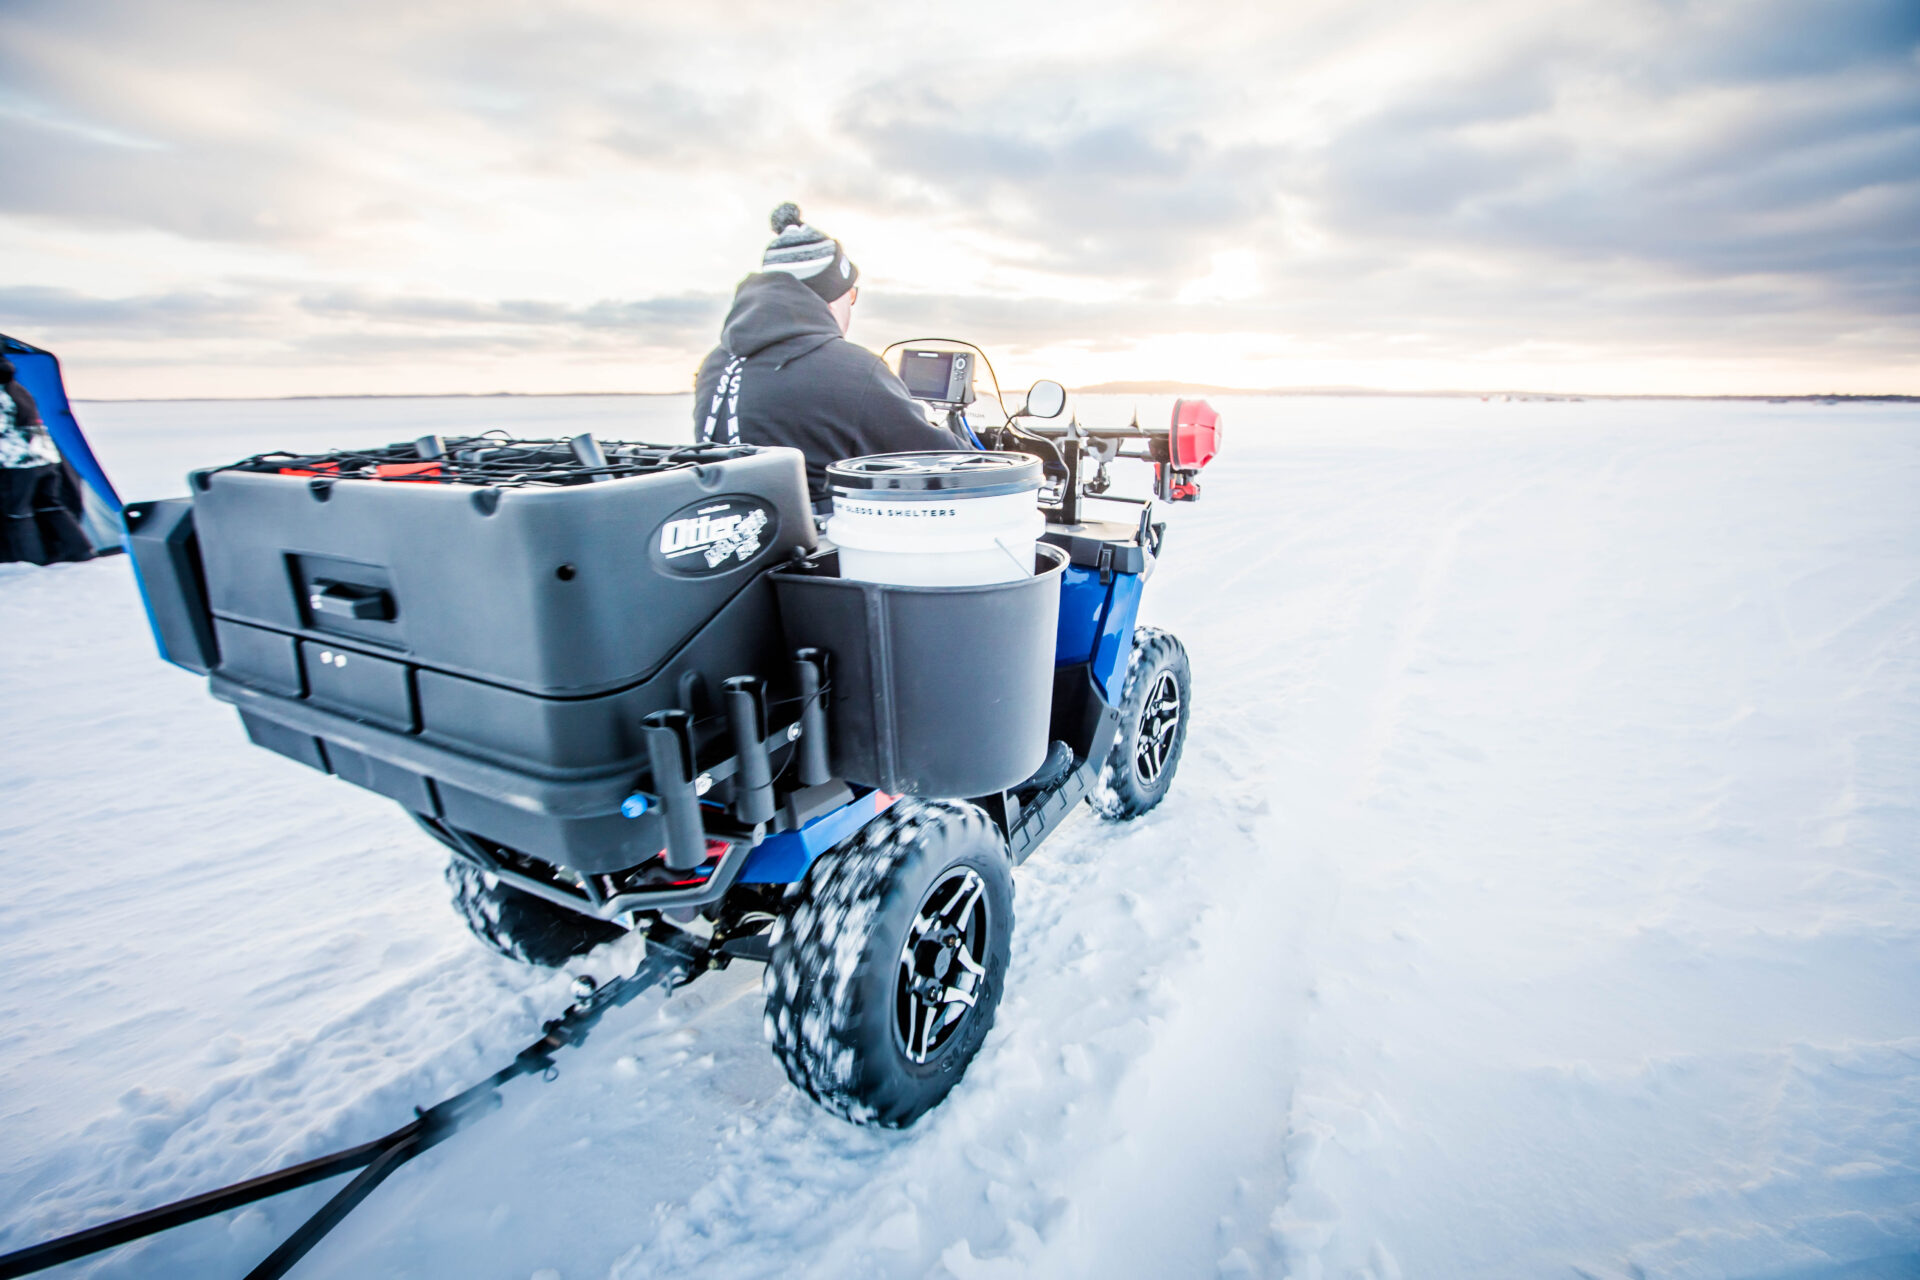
(784, 858)
(1096, 624)
(1115, 646)
(1083, 606)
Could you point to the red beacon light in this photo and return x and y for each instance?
(1193, 439)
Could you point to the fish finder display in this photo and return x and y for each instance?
(939, 377)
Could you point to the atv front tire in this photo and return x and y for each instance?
(518, 925)
(1154, 706)
(888, 963)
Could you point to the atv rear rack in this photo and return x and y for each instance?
(494, 460)
(673, 958)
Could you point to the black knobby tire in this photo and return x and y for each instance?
(857, 1016)
(518, 925)
(1154, 707)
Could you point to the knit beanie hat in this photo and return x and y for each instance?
(812, 257)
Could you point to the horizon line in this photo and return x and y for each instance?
(1098, 388)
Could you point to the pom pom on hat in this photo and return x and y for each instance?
(810, 256)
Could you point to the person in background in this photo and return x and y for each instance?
(39, 500)
(785, 374)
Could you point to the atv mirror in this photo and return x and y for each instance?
(1045, 399)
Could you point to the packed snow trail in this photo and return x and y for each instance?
(1536, 897)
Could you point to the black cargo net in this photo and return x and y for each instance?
(494, 459)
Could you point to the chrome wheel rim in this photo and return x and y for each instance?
(942, 966)
(1153, 739)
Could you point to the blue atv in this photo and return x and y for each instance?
(627, 688)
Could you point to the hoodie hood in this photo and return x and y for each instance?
(776, 315)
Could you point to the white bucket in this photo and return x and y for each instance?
(936, 520)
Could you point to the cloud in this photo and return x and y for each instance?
(300, 125)
(1708, 148)
(190, 311)
(227, 192)
(1774, 40)
(1129, 186)
(414, 176)
(361, 325)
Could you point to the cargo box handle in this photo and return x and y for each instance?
(351, 600)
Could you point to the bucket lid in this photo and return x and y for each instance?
(956, 474)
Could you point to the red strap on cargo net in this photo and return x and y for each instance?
(406, 471)
(384, 471)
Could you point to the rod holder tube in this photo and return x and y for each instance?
(669, 738)
(811, 669)
(588, 453)
(746, 702)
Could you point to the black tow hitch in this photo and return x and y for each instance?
(673, 957)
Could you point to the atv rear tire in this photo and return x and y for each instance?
(888, 963)
(1154, 707)
(518, 925)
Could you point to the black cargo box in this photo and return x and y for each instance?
(561, 591)
(484, 652)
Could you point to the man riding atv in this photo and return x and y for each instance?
(785, 374)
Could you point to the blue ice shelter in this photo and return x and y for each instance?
(39, 372)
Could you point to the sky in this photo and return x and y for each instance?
(1628, 196)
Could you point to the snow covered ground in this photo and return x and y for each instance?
(1540, 896)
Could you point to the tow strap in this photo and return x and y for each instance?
(672, 957)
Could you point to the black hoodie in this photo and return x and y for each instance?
(804, 385)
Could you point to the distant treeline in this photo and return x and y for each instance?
(1208, 389)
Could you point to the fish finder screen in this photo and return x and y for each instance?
(928, 374)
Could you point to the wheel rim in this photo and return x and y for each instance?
(941, 966)
(1159, 719)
